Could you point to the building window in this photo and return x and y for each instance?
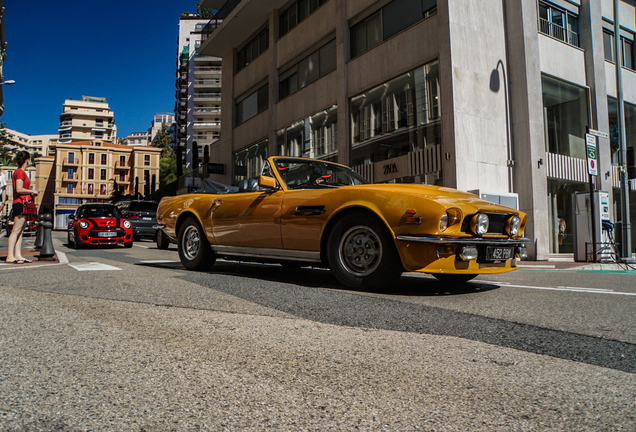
(69, 188)
(559, 23)
(122, 175)
(253, 49)
(608, 45)
(627, 49)
(91, 173)
(252, 105)
(297, 12)
(91, 189)
(397, 117)
(103, 159)
(102, 174)
(396, 16)
(566, 117)
(91, 158)
(315, 136)
(122, 160)
(71, 157)
(102, 189)
(314, 66)
(146, 160)
(248, 162)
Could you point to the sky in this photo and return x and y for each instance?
(122, 50)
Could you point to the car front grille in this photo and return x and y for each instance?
(497, 223)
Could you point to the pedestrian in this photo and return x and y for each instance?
(22, 194)
(3, 191)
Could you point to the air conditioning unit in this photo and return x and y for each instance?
(503, 198)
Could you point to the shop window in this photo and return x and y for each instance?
(315, 136)
(297, 12)
(396, 117)
(253, 49)
(391, 19)
(252, 105)
(248, 162)
(566, 117)
(559, 23)
(316, 65)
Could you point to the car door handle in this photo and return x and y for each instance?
(215, 205)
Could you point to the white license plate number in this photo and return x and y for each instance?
(499, 253)
(107, 234)
(146, 218)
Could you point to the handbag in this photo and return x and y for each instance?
(29, 208)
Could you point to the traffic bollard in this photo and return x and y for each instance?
(39, 238)
(47, 253)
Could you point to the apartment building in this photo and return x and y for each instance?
(137, 139)
(31, 143)
(198, 95)
(158, 121)
(489, 95)
(89, 118)
(88, 171)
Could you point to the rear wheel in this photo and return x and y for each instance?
(162, 240)
(194, 248)
(362, 254)
(454, 279)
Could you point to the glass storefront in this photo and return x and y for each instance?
(397, 117)
(249, 161)
(630, 126)
(566, 116)
(314, 137)
(632, 217)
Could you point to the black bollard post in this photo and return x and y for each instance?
(39, 237)
(47, 253)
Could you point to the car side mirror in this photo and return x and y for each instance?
(267, 182)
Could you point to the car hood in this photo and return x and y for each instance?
(103, 222)
(443, 195)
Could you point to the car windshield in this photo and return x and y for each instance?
(314, 174)
(96, 211)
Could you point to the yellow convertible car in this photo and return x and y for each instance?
(302, 212)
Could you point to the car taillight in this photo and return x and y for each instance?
(129, 216)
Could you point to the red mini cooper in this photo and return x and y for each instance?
(99, 224)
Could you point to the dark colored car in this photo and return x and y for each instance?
(99, 224)
(142, 215)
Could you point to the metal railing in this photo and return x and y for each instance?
(218, 18)
(557, 32)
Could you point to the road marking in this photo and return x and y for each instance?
(566, 288)
(138, 245)
(93, 266)
(158, 262)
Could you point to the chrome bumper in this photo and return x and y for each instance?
(463, 241)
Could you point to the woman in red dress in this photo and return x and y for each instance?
(22, 193)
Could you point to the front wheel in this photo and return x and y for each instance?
(194, 248)
(362, 254)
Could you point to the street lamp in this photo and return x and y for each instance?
(8, 82)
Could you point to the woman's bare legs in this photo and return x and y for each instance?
(15, 240)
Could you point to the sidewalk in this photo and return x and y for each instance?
(573, 266)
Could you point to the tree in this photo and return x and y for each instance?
(116, 195)
(122, 141)
(167, 170)
(163, 140)
(6, 154)
(204, 12)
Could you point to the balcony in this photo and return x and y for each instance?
(70, 177)
(202, 84)
(206, 97)
(120, 166)
(558, 32)
(206, 126)
(207, 71)
(69, 161)
(206, 112)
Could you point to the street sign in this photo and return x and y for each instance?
(598, 133)
(590, 146)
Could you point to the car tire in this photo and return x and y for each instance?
(70, 243)
(454, 279)
(362, 254)
(162, 240)
(129, 244)
(194, 249)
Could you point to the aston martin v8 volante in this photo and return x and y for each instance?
(301, 212)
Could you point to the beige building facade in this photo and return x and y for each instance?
(31, 143)
(89, 118)
(488, 96)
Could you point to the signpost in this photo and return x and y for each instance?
(590, 150)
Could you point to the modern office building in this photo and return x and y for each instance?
(88, 171)
(89, 118)
(198, 95)
(489, 95)
(31, 143)
(158, 121)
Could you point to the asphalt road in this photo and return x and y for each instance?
(126, 339)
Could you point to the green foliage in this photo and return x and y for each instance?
(163, 141)
(122, 141)
(6, 154)
(167, 170)
(204, 12)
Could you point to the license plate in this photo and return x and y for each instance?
(499, 253)
(146, 218)
(107, 234)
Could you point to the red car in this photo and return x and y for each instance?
(99, 224)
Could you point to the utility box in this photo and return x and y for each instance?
(505, 199)
(583, 223)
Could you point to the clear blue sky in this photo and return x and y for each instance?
(122, 50)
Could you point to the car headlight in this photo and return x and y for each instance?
(480, 223)
(514, 223)
(443, 222)
(83, 224)
(126, 224)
